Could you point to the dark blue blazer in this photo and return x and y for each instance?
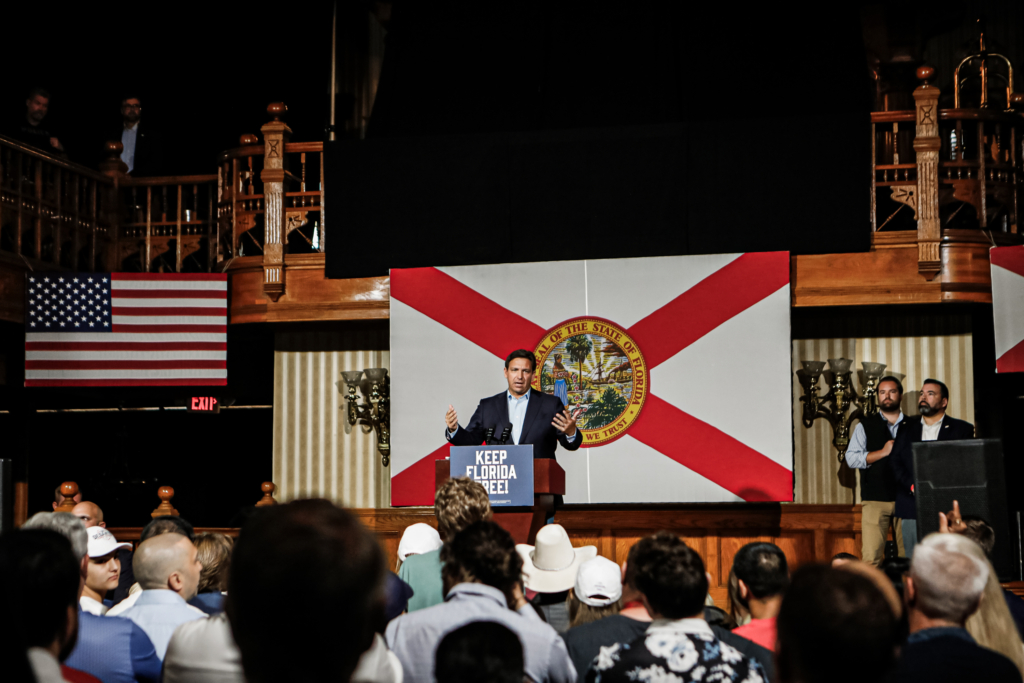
(537, 427)
(902, 457)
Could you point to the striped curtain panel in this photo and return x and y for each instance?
(316, 453)
(910, 357)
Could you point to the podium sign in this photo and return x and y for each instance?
(506, 472)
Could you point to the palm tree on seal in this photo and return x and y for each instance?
(578, 348)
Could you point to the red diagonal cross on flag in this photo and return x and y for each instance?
(671, 327)
(1008, 307)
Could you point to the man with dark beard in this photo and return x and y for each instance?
(933, 425)
(870, 447)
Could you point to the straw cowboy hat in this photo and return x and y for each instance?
(551, 565)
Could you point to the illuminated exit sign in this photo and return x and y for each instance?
(203, 404)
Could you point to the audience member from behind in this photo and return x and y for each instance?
(113, 650)
(214, 553)
(30, 129)
(457, 504)
(762, 576)
(58, 498)
(168, 571)
(943, 590)
(481, 570)
(142, 151)
(585, 641)
(340, 568)
(127, 593)
(679, 644)
(991, 625)
(417, 539)
(596, 593)
(834, 626)
(40, 576)
(842, 558)
(549, 571)
(480, 652)
(982, 533)
(104, 570)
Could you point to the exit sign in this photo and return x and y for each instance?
(203, 404)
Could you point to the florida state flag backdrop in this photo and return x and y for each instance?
(1008, 307)
(679, 367)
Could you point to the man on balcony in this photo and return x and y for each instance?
(29, 130)
(142, 151)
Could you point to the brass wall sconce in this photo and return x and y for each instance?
(375, 410)
(836, 404)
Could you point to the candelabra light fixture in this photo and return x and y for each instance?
(374, 413)
(841, 404)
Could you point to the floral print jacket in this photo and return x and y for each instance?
(674, 652)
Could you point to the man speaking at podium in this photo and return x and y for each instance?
(530, 418)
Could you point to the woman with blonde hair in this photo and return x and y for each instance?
(991, 625)
(214, 552)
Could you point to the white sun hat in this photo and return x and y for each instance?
(102, 542)
(598, 582)
(550, 566)
(417, 539)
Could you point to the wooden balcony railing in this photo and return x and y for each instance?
(54, 213)
(936, 170)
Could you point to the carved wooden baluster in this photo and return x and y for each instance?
(58, 222)
(302, 185)
(275, 137)
(69, 490)
(323, 210)
(149, 230)
(177, 239)
(164, 493)
(268, 489)
(927, 144)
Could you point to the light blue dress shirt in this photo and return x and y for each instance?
(414, 637)
(128, 137)
(158, 613)
(857, 452)
(517, 412)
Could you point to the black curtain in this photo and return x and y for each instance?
(556, 131)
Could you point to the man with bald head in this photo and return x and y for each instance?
(90, 514)
(167, 568)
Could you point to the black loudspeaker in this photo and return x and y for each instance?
(6, 495)
(970, 472)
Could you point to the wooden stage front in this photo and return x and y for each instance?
(806, 533)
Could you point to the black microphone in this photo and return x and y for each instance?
(488, 435)
(506, 433)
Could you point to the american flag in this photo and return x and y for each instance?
(125, 329)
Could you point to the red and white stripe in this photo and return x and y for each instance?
(168, 329)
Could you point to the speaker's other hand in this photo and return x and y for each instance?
(451, 419)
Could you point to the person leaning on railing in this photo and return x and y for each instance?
(28, 128)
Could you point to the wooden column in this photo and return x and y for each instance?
(926, 145)
(275, 137)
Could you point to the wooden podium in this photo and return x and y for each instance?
(522, 522)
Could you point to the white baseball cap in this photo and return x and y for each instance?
(598, 582)
(417, 539)
(102, 542)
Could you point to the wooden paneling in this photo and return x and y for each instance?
(308, 294)
(806, 533)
